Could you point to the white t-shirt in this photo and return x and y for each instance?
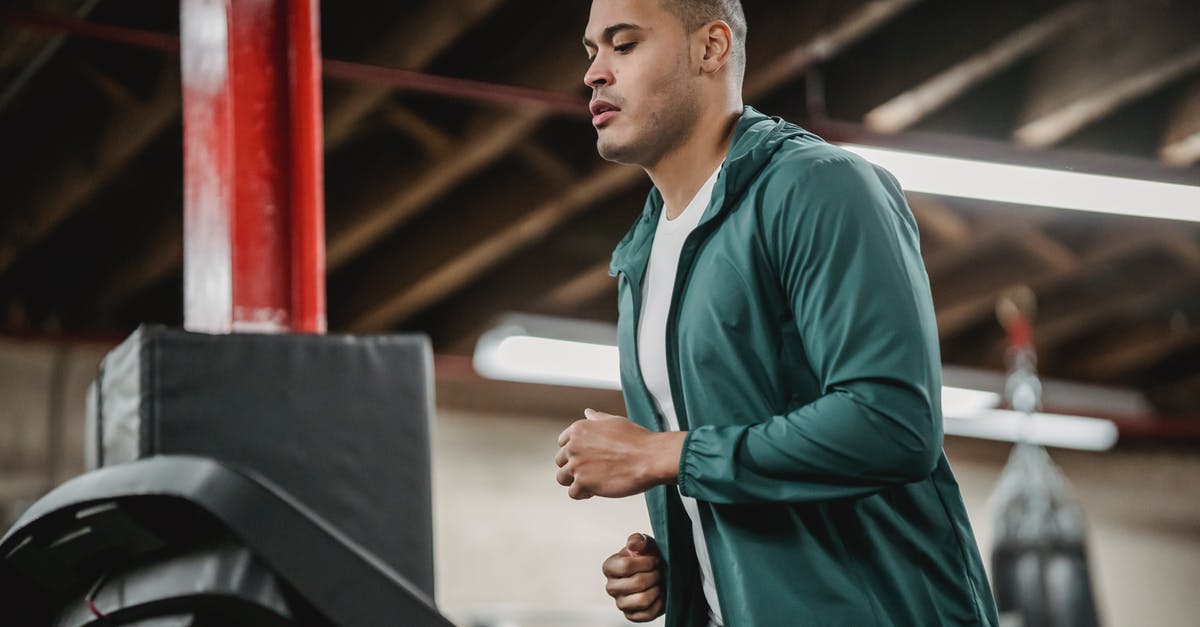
(652, 347)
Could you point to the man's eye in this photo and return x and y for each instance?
(625, 47)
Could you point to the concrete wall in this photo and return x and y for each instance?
(41, 416)
(510, 544)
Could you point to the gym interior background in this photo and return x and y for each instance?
(461, 183)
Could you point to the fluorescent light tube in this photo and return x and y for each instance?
(963, 401)
(1026, 185)
(515, 351)
(1077, 432)
(555, 362)
(555, 351)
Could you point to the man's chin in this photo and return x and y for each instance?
(612, 151)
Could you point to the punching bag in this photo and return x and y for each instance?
(1040, 572)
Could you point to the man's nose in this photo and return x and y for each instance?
(597, 74)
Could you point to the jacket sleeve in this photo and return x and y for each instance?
(845, 248)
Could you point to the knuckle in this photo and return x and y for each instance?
(644, 581)
(633, 602)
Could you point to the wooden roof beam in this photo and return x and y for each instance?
(824, 29)
(455, 270)
(1053, 255)
(490, 136)
(521, 282)
(79, 177)
(1143, 45)
(955, 317)
(433, 140)
(939, 89)
(1142, 348)
(1052, 333)
(1181, 141)
(583, 287)
(423, 36)
(937, 219)
(823, 38)
(438, 143)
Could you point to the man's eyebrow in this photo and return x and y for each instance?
(610, 32)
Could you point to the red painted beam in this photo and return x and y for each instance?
(90, 30)
(560, 103)
(491, 93)
(253, 208)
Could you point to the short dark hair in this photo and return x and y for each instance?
(697, 13)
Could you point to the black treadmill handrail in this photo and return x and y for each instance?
(338, 576)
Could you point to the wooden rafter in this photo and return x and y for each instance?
(823, 29)
(1053, 255)
(1181, 141)
(421, 39)
(937, 219)
(438, 143)
(823, 39)
(456, 323)
(163, 254)
(435, 141)
(79, 178)
(954, 317)
(946, 260)
(1053, 332)
(1142, 348)
(458, 269)
(582, 287)
(933, 93)
(408, 193)
(519, 283)
(1143, 46)
(418, 42)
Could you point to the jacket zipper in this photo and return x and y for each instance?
(687, 258)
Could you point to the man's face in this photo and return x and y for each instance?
(643, 89)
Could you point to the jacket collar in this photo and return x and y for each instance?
(756, 138)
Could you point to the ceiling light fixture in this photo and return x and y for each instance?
(536, 349)
(1042, 187)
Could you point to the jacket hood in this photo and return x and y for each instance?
(756, 139)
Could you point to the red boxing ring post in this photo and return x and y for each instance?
(254, 257)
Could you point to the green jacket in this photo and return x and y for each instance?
(804, 363)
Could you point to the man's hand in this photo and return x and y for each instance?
(635, 579)
(607, 455)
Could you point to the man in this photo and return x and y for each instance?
(779, 358)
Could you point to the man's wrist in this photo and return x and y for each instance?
(663, 459)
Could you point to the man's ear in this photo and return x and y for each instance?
(717, 40)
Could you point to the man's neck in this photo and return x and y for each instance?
(681, 173)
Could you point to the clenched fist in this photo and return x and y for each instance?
(607, 455)
(635, 579)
